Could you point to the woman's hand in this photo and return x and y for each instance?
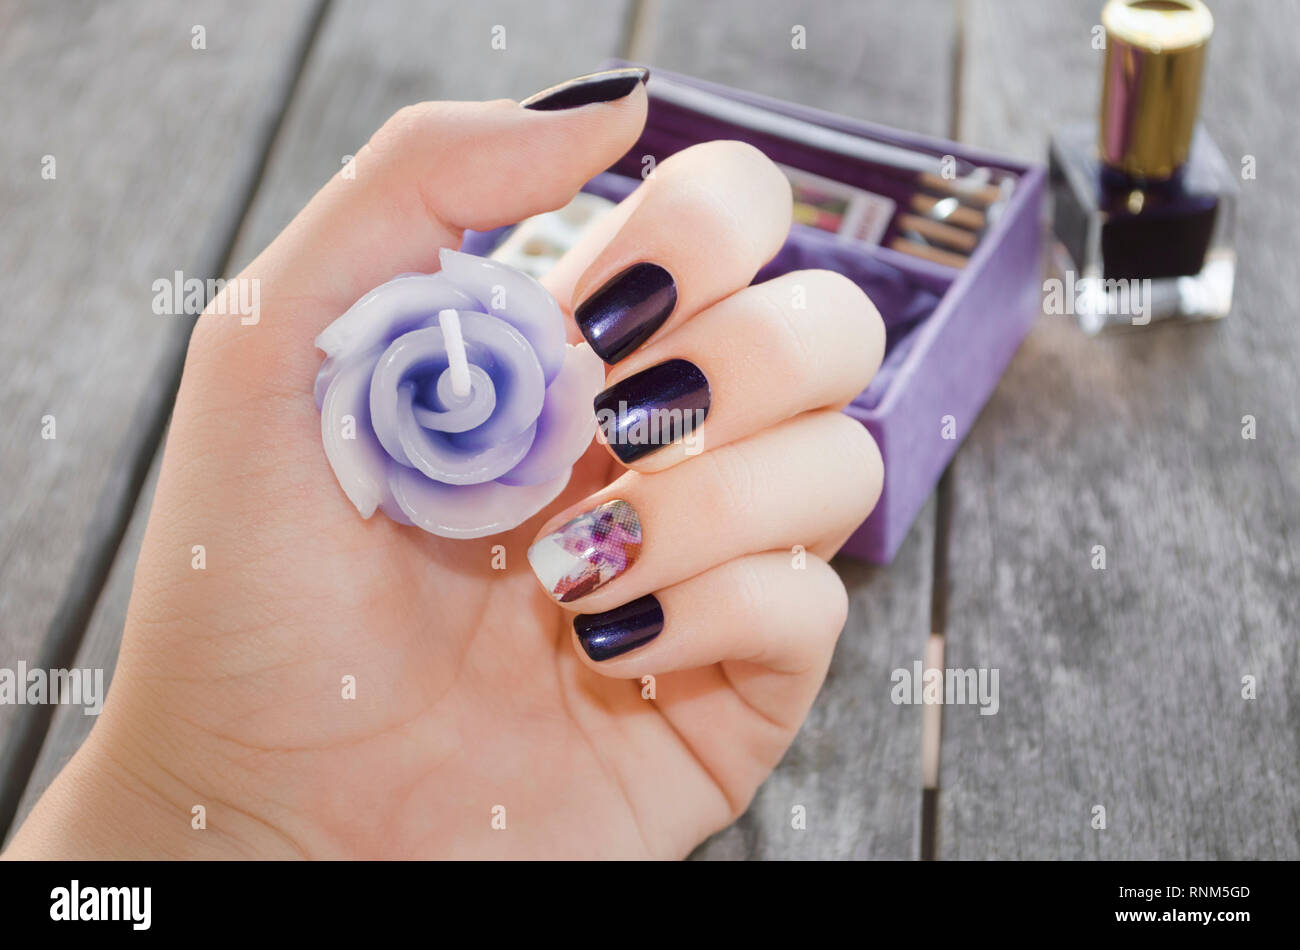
(482, 724)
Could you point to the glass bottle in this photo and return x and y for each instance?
(1143, 201)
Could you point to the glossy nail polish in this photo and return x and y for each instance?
(1143, 201)
(626, 310)
(621, 630)
(588, 552)
(585, 90)
(653, 408)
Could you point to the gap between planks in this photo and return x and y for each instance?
(932, 723)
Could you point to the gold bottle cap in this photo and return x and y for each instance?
(1155, 52)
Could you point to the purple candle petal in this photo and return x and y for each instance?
(566, 423)
(406, 436)
(493, 346)
(434, 455)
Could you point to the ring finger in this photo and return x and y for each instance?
(804, 481)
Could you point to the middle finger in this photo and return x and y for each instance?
(806, 340)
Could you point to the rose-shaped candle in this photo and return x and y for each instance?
(452, 402)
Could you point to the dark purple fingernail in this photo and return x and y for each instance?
(653, 408)
(626, 310)
(595, 87)
(617, 631)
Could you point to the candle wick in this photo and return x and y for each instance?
(449, 321)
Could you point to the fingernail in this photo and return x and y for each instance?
(626, 310)
(588, 552)
(594, 87)
(615, 632)
(653, 408)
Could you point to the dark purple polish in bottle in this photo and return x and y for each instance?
(1143, 201)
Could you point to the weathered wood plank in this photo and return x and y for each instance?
(856, 766)
(126, 151)
(872, 59)
(367, 62)
(1123, 687)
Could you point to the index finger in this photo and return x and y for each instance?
(693, 233)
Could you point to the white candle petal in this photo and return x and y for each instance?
(514, 297)
(470, 511)
(399, 306)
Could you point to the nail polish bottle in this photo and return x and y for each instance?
(1143, 201)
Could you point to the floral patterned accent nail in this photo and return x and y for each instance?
(588, 552)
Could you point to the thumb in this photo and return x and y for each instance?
(432, 171)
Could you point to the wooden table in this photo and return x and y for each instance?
(1120, 688)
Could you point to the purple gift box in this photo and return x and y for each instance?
(950, 332)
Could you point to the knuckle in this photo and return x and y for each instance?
(769, 188)
(833, 597)
(744, 183)
(764, 171)
(862, 329)
(423, 129)
(748, 607)
(728, 486)
(825, 604)
(856, 443)
(862, 457)
(842, 294)
(786, 336)
(749, 158)
(833, 327)
(731, 155)
(404, 125)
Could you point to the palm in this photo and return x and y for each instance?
(468, 693)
